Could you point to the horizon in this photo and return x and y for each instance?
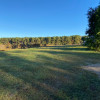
(46, 18)
(44, 36)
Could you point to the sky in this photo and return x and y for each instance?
(42, 18)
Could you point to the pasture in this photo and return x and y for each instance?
(49, 73)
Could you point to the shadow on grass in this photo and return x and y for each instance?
(69, 47)
(48, 79)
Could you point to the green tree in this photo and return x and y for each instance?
(77, 39)
(68, 40)
(94, 28)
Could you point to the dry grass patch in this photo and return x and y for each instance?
(93, 68)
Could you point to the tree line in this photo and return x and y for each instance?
(40, 41)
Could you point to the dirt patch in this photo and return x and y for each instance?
(94, 68)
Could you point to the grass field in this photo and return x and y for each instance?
(49, 73)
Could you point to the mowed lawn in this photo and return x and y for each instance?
(49, 73)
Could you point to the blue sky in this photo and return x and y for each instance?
(40, 18)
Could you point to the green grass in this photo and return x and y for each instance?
(48, 73)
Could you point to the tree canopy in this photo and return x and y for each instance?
(40, 41)
(93, 32)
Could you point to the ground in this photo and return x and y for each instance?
(49, 73)
(93, 68)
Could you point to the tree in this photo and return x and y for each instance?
(68, 40)
(48, 40)
(77, 39)
(94, 28)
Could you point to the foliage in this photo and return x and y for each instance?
(94, 28)
(40, 41)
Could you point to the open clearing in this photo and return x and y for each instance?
(49, 73)
(94, 68)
